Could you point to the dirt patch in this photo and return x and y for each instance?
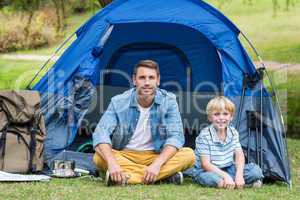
(26, 57)
(276, 66)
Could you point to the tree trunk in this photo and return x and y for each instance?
(275, 7)
(27, 27)
(103, 3)
(58, 17)
(64, 16)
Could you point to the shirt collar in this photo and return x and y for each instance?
(216, 139)
(133, 100)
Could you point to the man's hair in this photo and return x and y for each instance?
(220, 103)
(148, 64)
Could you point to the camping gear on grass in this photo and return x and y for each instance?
(10, 177)
(63, 169)
(199, 54)
(22, 132)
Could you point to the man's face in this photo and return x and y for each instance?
(146, 81)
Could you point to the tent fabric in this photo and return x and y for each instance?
(274, 152)
(195, 15)
(198, 51)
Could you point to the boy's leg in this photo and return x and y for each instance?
(210, 179)
(134, 170)
(252, 173)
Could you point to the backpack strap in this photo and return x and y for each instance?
(3, 143)
(33, 129)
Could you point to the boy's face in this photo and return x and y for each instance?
(220, 119)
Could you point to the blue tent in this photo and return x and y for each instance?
(199, 54)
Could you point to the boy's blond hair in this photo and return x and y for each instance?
(220, 103)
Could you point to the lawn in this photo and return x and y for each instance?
(15, 74)
(91, 188)
(275, 35)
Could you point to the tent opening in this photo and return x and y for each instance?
(189, 66)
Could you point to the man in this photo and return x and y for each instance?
(139, 138)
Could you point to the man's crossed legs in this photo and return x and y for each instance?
(134, 163)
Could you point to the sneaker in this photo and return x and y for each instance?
(108, 182)
(257, 184)
(176, 179)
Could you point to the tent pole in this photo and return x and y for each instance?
(249, 126)
(261, 77)
(274, 92)
(257, 148)
(49, 59)
(242, 101)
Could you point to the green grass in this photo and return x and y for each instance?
(288, 86)
(16, 74)
(275, 37)
(83, 188)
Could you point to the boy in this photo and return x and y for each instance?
(220, 160)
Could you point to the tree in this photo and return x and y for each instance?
(29, 7)
(103, 3)
(61, 16)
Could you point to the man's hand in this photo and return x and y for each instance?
(228, 182)
(151, 173)
(115, 171)
(239, 181)
(116, 174)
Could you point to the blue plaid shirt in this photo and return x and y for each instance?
(119, 121)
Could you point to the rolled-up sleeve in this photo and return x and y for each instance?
(202, 146)
(174, 130)
(105, 127)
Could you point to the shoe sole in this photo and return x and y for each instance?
(181, 178)
(107, 179)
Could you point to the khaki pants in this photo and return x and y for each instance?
(134, 163)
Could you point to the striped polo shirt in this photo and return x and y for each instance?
(221, 153)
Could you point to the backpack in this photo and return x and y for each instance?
(22, 132)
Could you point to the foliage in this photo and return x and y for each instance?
(16, 36)
(28, 14)
(28, 7)
(275, 3)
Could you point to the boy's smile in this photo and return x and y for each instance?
(220, 119)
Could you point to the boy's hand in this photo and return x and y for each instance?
(239, 181)
(228, 182)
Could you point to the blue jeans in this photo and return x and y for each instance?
(252, 173)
